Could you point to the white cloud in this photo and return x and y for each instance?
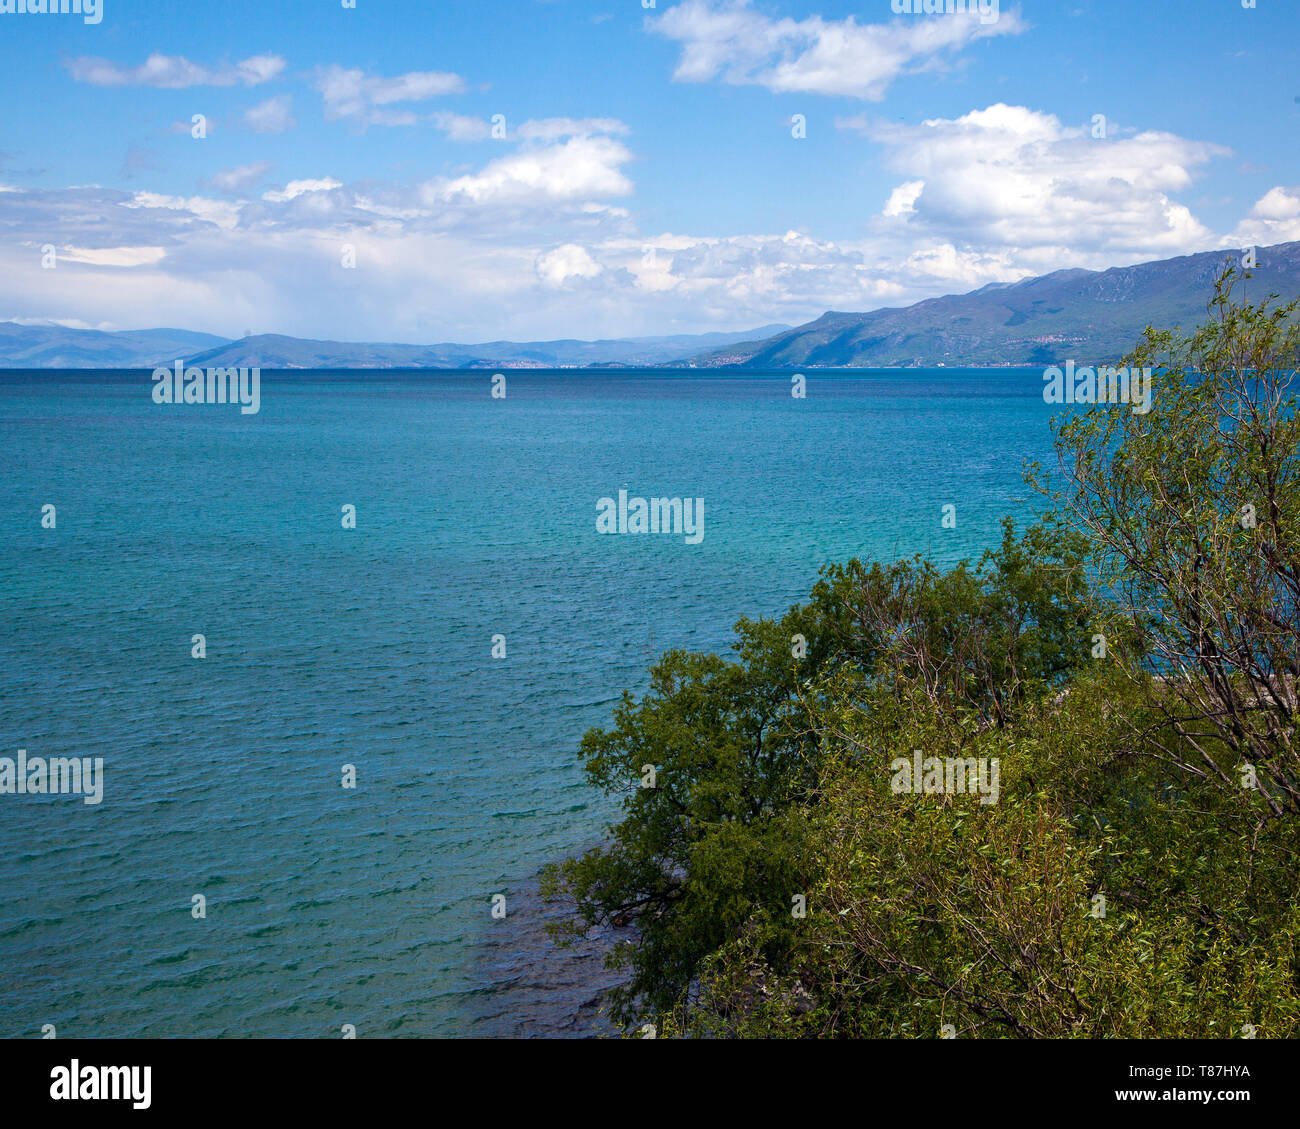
(351, 93)
(239, 178)
(201, 209)
(568, 261)
(553, 129)
(1012, 180)
(66, 323)
(731, 41)
(174, 72)
(1275, 218)
(296, 188)
(582, 168)
(461, 127)
(903, 199)
(112, 256)
(275, 115)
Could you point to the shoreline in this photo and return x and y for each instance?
(531, 987)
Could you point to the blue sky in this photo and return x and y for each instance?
(648, 180)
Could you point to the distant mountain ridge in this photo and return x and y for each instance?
(52, 346)
(273, 351)
(1069, 313)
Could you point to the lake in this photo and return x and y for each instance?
(373, 647)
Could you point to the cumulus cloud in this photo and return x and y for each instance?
(902, 199)
(275, 115)
(581, 168)
(175, 72)
(351, 93)
(1010, 179)
(733, 42)
(569, 261)
(1275, 218)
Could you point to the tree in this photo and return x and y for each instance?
(710, 843)
(720, 840)
(1193, 510)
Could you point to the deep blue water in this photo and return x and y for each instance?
(372, 647)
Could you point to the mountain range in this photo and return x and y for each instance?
(1044, 320)
(34, 347)
(1097, 315)
(53, 346)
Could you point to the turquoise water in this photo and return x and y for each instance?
(372, 647)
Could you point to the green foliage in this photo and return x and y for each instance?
(711, 844)
(981, 638)
(1193, 513)
(721, 840)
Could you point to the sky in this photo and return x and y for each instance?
(445, 171)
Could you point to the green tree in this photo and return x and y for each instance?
(1193, 512)
(720, 841)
